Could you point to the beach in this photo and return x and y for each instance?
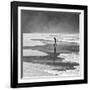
(40, 59)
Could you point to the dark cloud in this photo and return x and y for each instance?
(49, 22)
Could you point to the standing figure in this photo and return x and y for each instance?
(55, 40)
(54, 48)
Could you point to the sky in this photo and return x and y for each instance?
(49, 22)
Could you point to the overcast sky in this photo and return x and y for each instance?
(49, 22)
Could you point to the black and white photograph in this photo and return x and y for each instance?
(50, 44)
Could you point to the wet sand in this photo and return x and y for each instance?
(31, 70)
(39, 58)
(37, 70)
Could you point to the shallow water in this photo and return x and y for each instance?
(64, 61)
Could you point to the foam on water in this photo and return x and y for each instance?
(71, 57)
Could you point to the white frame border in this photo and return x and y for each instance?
(30, 80)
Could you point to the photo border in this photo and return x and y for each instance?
(14, 43)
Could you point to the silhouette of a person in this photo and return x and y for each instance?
(55, 40)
